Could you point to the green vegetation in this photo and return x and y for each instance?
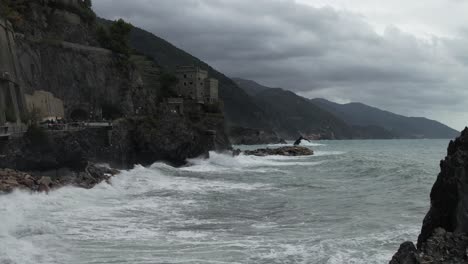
(12, 9)
(10, 114)
(213, 108)
(116, 37)
(111, 111)
(37, 136)
(168, 82)
(84, 10)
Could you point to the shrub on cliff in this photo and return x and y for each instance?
(37, 138)
(11, 10)
(83, 10)
(168, 82)
(111, 111)
(116, 37)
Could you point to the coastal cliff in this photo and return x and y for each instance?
(58, 51)
(443, 237)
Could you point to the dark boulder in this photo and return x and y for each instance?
(299, 141)
(407, 254)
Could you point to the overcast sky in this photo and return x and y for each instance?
(408, 57)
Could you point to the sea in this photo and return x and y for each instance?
(352, 202)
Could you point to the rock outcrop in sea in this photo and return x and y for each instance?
(11, 179)
(443, 237)
(283, 151)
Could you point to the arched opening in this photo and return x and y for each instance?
(79, 115)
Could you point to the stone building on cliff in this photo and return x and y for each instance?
(194, 83)
(47, 105)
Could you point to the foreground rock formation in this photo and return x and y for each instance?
(443, 235)
(92, 175)
(283, 151)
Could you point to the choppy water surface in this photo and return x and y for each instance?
(353, 202)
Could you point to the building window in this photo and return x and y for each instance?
(191, 83)
(185, 84)
(185, 76)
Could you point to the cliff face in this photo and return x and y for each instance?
(443, 235)
(58, 52)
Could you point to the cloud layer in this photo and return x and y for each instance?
(317, 52)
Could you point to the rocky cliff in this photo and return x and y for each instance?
(58, 52)
(443, 237)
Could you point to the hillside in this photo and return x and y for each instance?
(239, 108)
(296, 115)
(404, 127)
(250, 87)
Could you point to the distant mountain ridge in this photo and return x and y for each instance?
(362, 121)
(402, 126)
(259, 107)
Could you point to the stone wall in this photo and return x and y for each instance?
(12, 103)
(47, 105)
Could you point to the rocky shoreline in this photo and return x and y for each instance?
(443, 237)
(93, 174)
(290, 151)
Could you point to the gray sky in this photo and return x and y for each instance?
(408, 57)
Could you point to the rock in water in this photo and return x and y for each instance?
(407, 254)
(443, 235)
(283, 151)
(299, 141)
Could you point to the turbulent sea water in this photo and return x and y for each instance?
(353, 202)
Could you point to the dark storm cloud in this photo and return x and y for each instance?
(313, 51)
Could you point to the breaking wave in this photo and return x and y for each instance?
(322, 209)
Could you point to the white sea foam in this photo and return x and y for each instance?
(220, 210)
(226, 163)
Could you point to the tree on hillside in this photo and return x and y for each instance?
(116, 37)
(168, 82)
(88, 3)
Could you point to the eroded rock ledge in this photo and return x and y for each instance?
(283, 151)
(443, 237)
(11, 180)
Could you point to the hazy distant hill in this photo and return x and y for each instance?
(294, 115)
(404, 127)
(250, 87)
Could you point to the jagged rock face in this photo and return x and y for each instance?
(58, 52)
(83, 77)
(174, 138)
(11, 180)
(449, 195)
(443, 235)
